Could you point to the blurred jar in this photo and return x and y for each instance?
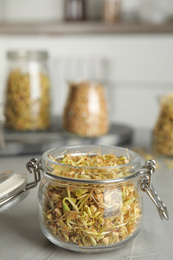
(75, 10)
(86, 111)
(129, 10)
(111, 10)
(163, 130)
(28, 91)
(155, 11)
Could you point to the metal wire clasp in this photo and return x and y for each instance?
(146, 186)
(35, 167)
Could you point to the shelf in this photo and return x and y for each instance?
(82, 28)
(18, 143)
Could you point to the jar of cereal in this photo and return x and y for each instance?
(163, 130)
(27, 105)
(90, 199)
(86, 110)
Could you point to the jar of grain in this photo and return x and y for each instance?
(27, 105)
(111, 11)
(163, 130)
(90, 199)
(86, 110)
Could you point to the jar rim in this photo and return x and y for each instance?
(167, 99)
(47, 160)
(93, 82)
(27, 54)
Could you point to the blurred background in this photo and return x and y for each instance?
(126, 45)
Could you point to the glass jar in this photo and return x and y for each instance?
(75, 10)
(111, 11)
(163, 130)
(90, 196)
(93, 209)
(86, 110)
(27, 105)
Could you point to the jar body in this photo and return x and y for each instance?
(75, 10)
(90, 217)
(163, 130)
(27, 105)
(111, 11)
(86, 110)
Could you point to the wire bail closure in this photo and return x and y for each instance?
(32, 166)
(146, 186)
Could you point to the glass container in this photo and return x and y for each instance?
(111, 11)
(93, 209)
(163, 130)
(154, 12)
(90, 197)
(86, 110)
(27, 105)
(75, 10)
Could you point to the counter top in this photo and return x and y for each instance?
(21, 237)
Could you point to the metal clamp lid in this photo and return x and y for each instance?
(146, 186)
(15, 196)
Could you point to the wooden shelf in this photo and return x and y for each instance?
(76, 28)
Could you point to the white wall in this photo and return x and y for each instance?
(140, 69)
(37, 10)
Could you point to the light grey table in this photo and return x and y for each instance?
(21, 238)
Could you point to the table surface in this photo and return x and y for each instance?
(21, 237)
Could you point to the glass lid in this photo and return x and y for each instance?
(14, 187)
(11, 189)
